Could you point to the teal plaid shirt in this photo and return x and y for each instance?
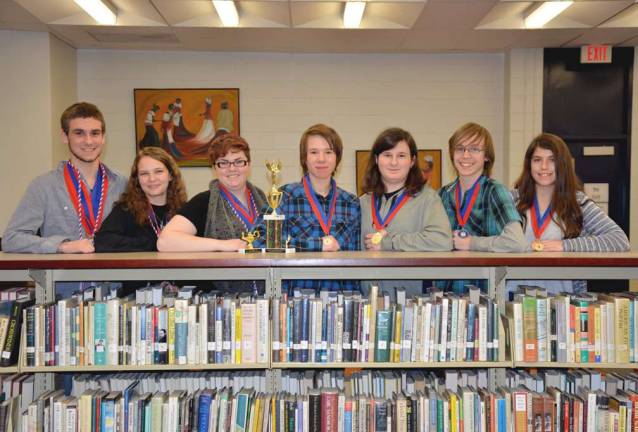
(492, 211)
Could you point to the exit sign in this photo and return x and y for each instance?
(595, 54)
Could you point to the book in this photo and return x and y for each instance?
(12, 341)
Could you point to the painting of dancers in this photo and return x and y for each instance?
(185, 121)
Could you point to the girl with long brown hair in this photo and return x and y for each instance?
(154, 194)
(557, 215)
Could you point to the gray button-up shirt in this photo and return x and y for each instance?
(46, 217)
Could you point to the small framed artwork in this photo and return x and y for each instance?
(429, 162)
(185, 121)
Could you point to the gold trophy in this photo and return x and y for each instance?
(275, 221)
(249, 237)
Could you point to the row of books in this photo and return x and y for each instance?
(380, 383)
(148, 382)
(328, 327)
(504, 409)
(353, 382)
(571, 380)
(589, 328)
(196, 330)
(17, 391)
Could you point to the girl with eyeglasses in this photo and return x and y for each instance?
(155, 192)
(557, 215)
(480, 210)
(214, 220)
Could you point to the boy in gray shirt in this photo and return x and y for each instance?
(62, 209)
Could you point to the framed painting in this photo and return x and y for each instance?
(429, 162)
(185, 121)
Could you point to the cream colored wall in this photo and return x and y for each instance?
(523, 106)
(63, 73)
(25, 114)
(282, 94)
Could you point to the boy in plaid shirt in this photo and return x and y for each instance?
(320, 217)
(481, 211)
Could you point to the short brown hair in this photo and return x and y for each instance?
(227, 143)
(327, 133)
(387, 140)
(472, 131)
(80, 110)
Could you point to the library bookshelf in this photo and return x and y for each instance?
(46, 270)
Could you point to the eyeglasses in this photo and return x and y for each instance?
(472, 149)
(239, 163)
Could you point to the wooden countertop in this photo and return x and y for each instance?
(313, 259)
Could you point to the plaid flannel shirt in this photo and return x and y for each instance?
(492, 211)
(306, 234)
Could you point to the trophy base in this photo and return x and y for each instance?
(250, 251)
(280, 250)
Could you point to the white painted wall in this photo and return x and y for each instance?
(63, 75)
(283, 94)
(25, 114)
(523, 106)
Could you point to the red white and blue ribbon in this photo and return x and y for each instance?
(156, 224)
(540, 222)
(88, 205)
(379, 222)
(325, 220)
(464, 210)
(247, 216)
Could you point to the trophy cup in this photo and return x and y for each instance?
(274, 221)
(249, 238)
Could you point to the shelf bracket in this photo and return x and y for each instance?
(273, 283)
(497, 289)
(273, 380)
(44, 285)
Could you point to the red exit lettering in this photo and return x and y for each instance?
(595, 54)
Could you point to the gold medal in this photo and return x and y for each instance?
(376, 238)
(327, 241)
(537, 245)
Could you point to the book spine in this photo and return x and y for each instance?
(181, 331)
(541, 335)
(530, 330)
(219, 328)
(249, 328)
(276, 335)
(263, 333)
(99, 329)
(170, 337)
(383, 331)
(30, 336)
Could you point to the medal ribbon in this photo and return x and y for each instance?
(156, 224)
(89, 206)
(540, 223)
(324, 220)
(379, 222)
(246, 215)
(463, 211)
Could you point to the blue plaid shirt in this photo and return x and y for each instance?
(306, 234)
